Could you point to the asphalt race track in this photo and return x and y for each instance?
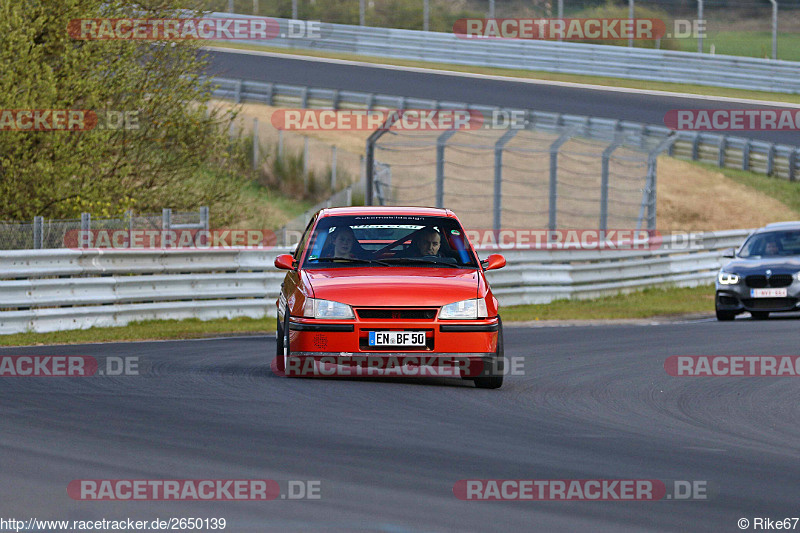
(594, 403)
(646, 108)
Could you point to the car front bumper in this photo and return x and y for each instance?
(452, 348)
(738, 298)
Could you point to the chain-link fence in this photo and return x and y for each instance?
(558, 177)
(300, 165)
(75, 233)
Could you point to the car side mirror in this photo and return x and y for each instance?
(285, 262)
(730, 252)
(493, 262)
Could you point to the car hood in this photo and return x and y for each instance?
(778, 265)
(380, 287)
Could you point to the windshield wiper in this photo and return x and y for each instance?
(422, 261)
(352, 260)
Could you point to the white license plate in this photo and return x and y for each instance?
(397, 338)
(768, 293)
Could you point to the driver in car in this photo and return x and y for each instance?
(427, 242)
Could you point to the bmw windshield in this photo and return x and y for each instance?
(388, 240)
(771, 244)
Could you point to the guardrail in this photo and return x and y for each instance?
(548, 56)
(54, 290)
(776, 160)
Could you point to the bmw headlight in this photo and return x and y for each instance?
(727, 278)
(464, 310)
(315, 308)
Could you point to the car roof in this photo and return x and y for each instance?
(795, 224)
(385, 210)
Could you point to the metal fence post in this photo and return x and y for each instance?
(498, 177)
(230, 6)
(746, 155)
(305, 164)
(256, 144)
(238, 93)
(774, 29)
(280, 143)
(166, 224)
(792, 164)
(204, 217)
(699, 33)
(362, 15)
(426, 15)
(553, 203)
(770, 159)
(696, 147)
(630, 16)
(129, 217)
(441, 143)
(649, 192)
(270, 94)
(723, 144)
(294, 9)
(333, 168)
(38, 233)
(255, 7)
(618, 140)
(86, 228)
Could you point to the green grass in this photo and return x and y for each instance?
(748, 44)
(650, 302)
(537, 75)
(146, 330)
(782, 190)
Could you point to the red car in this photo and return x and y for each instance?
(388, 291)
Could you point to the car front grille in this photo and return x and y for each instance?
(762, 282)
(767, 304)
(385, 313)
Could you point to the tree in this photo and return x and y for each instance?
(157, 85)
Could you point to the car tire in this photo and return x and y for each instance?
(283, 340)
(494, 379)
(725, 316)
(760, 315)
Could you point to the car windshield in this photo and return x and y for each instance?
(772, 244)
(389, 240)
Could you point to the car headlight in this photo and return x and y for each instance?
(315, 308)
(727, 278)
(464, 310)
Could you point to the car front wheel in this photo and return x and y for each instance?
(724, 316)
(282, 341)
(493, 378)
